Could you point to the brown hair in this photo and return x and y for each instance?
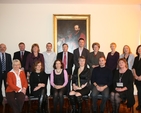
(122, 59)
(96, 43)
(65, 44)
(35, 45)
(129, 49)
(35, 65)
(21, 43)
(54, 65)
(137, 50)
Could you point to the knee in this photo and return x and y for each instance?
(77, 94)
(72, 93)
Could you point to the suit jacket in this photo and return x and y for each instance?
(76, 55)
(11, 81)
(69, 63)
(17, 55)
(8, 63)
(130, 60)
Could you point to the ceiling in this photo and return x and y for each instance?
(70, 1)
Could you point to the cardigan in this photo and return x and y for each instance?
(11, 81)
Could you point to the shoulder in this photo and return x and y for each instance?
(86, 50)
(27, 52)
(132, 55)
(17, 52)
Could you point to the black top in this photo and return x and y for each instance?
(127, 80)
(59, 79)
(84, 77)
(111, 61)
(102, 76)
(137, 67)
(36, 78)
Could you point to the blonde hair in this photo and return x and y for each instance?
(113, 43)
(16, 61)
(129, 49)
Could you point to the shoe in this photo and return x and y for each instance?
(138, 108)
(101, 112)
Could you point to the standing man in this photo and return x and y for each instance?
(21, 55)
(80, 51)
(101, 80)
(49, 58)
(67, 59)
(5, 67)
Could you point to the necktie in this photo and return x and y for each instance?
(65, 60)
(3, 63)
(22, 55)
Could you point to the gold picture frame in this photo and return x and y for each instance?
(68, 28)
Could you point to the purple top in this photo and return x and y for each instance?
(111, 61)
(31, 59)
(65, 78)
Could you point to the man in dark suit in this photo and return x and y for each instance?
(67, 59)
(80, 51)
(21, 55)
(5, 67)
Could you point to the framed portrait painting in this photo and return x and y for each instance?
(69, 29)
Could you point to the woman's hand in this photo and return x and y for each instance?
(41, 85)
(139, 78)
(58, 86)
(121, 89)
(28, 74)
(23, 90)
(83, 85)
(36, 88)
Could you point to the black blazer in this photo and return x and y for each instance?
(76, 55)
(17, 55)
(8, 63)
(84, 77)
(70, 61)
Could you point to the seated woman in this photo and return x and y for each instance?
(58, 80)
(123, 86)
(81, 86)
(16, 87)
(38, 81)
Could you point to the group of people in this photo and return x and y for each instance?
(112, 76)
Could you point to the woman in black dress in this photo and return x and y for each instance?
(81, 86)
(122, 86)
(58, 80)
(137, 75)
(38, 81)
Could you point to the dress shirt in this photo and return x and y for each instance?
(80, 51)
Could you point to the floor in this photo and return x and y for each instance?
(86, 107)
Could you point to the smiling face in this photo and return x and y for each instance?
(95, 48)
(126, 49)
(16, 64)
(139, 50)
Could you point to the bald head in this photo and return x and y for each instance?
(2, 48)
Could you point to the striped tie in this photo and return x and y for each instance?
(3, 63)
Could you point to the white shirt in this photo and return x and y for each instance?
(66, 59)
(80, 51)
(49, 58)
(18, 79)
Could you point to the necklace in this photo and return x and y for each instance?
(58, 71)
